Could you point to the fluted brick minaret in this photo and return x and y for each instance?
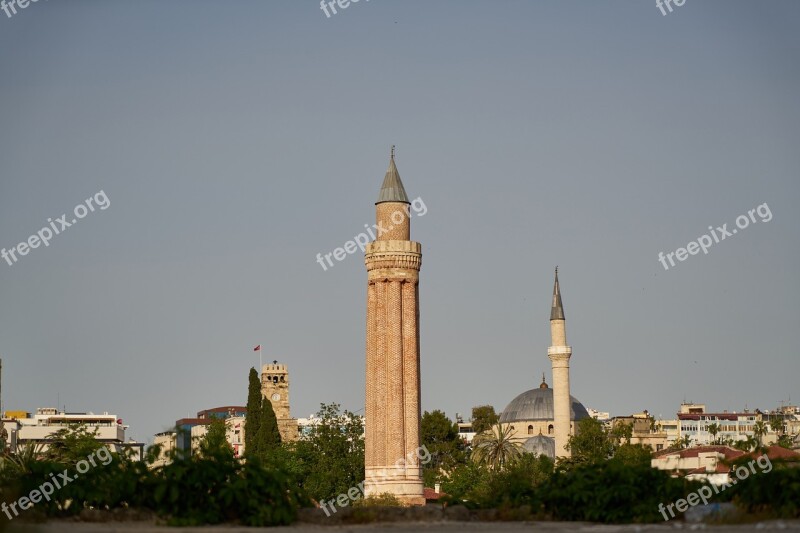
(393, 383)
(559, 353)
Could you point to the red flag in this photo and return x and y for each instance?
(257, 348)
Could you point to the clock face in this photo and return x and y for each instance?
(276, 397)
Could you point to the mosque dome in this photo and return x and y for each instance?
(537, 404)
(541, 445)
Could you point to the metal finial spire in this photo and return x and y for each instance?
(557, 310)
(543, 385)
(392, 189)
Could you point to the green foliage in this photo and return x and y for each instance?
(71, 444)
(611, 492)
(381, 500)
(463, 480)
(746, 445)
(440, 437)
(330, 459)
(713, 430)
(592, 443)
(759, 430)
(483, 418)
(634, 455)
(215, 441)
(496, 447)
(208, 488)
(261, 434)
(775, 494)
(268, 437)
(517, 485)
(776, 423)
(621, 432)
(253, 421)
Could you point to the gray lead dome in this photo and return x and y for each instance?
(537, 404)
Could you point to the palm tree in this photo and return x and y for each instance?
(495, 448)
(713, 429)
(759, 430)
(776, 424)
(684, 442)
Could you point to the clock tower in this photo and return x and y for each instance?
(275, 388)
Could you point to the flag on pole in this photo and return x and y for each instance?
(257, 348)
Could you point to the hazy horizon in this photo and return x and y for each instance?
(237, 141)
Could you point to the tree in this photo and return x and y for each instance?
(633, 455)
(268, 437)
(776, 423)
(620, 432)
(592, 443)
(495, 447)
(440, 436)
(330, 459)
(253, 421)
(786, 441)
(684, 442)
(759, 430)
(713, 429)
(215, 440)
(747, 444)
(71, 444)
(460, 482)
(483, 418)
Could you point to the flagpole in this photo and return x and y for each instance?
(260, 362)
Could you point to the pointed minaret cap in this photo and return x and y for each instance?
(557, 312)
(392, 189)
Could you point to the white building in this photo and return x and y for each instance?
(695, 423)
(37, 430)
(234, 434)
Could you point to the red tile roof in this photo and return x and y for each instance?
(431, 494)
(726, 451)
(777, 452)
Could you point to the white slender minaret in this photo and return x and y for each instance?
(559, 353)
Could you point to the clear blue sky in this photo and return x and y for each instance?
(236, 140)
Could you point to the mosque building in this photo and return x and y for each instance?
(542, 419)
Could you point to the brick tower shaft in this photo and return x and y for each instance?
(392, 421)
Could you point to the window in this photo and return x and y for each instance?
(550, 429)
(530, 430)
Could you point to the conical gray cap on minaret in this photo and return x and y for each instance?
(392, 189)
(557, 311)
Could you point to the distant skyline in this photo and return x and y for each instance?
(237, 141)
